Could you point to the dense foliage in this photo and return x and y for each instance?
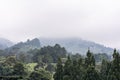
(86, 69)
(54, 63)
(50, 54)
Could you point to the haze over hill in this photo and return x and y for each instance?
(94, 20)
(4, 43)
(88, 27)
(76, 45)
(24, 47)
(72, 45)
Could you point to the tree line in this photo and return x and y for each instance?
(55, 63)
(86, 68)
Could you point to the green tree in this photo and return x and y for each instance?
(114, 72)
(10, 61)
(80, 68)
(90, 60)
(50, 54)
(68, 68)
(19, 69)
(75, 71)
(104, 69)
(59, 71)
(22, 57)
(50, 68)
(91, 74)
(5, 70)
(47, 58)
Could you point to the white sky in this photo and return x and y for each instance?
(95, 20)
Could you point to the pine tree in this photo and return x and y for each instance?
(59, 71)
(68, 69)
(80, 68)
(114, 72)
(90, 60)
(91, 74)
(74, 70)
(105, 67)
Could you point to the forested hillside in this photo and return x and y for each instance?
(59, 40)
(55, 63)
(76, 45)
(86, 68)
(23, 47)
(31, 60)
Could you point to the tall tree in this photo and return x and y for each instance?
(114, 72)
(105, 67)
(59, 71)
(89, 60)
(68, 69)
(76, 71)
(91, 74)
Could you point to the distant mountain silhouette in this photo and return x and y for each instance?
(4, 43)
(72, 45)
(76, 45)
(23, 47)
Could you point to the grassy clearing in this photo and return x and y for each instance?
(30, 66)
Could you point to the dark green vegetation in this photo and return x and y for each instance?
(35, 64)
(86, 69)
(30, 61)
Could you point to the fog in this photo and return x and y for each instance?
(94, 20)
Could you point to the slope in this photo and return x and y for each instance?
(76, 45)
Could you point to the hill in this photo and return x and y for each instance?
(23, 47)
(4, 43)
(75, 45)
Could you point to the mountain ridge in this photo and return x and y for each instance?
(72, 45)
(23, 47)
(76, 45)
(5, 43)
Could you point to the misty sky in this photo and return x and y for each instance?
(94, 20)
